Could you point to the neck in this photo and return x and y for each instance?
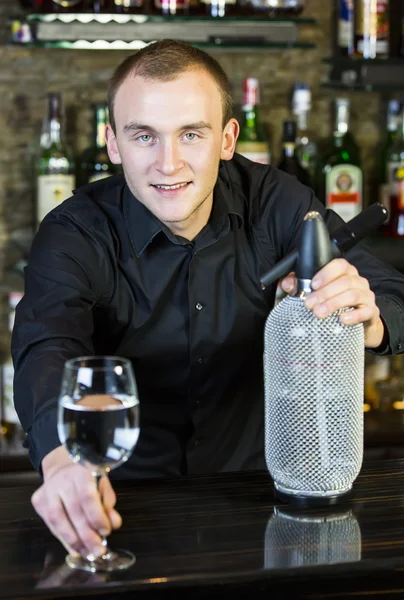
(190, 227)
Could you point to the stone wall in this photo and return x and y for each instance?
(27, 75)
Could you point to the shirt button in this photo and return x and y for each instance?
(198, 306)
(199, 360)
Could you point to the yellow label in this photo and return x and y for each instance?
(52, 190)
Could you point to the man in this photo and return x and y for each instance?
(162, 266)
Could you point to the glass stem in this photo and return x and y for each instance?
(103, 538)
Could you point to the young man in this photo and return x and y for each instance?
(162, 266)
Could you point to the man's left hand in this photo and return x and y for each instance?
(339, 285)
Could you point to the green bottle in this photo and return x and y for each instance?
(94, 163)
(251, 141)
(342, 172)
(55, 167)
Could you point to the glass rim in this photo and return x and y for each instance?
(74, 363)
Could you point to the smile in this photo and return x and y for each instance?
(175, 186)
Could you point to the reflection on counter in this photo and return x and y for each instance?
(307, 538)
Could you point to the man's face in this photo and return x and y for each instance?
(169, 139)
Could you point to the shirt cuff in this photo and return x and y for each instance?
(392, 315)
(42, 438)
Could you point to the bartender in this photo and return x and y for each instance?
(162, 266)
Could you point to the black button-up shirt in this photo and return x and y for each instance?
(106, 277)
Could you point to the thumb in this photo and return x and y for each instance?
(289, 284)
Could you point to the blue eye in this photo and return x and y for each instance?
(142, 137)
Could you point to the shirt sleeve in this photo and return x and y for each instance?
(64, 279)
(286, 202)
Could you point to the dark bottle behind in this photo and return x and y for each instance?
(94, 164)
(342, 172)
(55, 167)
(289, 161)
(346, 27)
(392, 128)
(306, 147)
(395, 179)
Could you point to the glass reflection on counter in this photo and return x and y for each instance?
(306, 539)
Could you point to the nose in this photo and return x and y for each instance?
(169, 160)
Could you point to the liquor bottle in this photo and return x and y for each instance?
(346, 28)
(55, 168)
(342, 168)
(372, 28)
(251, 142)
(223, 8)
(395, 180)
(127, 6)
(94, 163)
(393, 122)
(60, 6)
(172, 8)
(100, 6)
(289, 161)
(279, 8)
(306, 147)
(10, 424)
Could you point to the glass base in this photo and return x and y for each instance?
(110, 561)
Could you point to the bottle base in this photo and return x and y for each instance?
(307, 500)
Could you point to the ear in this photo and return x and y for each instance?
(229, 139)
(112, 146)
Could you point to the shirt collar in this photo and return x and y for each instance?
(143, 226)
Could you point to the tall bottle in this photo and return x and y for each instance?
(251, 142)
(393, 123)
(395, 180)
(346, 27)
(372, 28)
(306, 147)
(94, 164)
(343, 176)
(289, 162)
(55, 170)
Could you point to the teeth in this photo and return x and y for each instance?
(171, 187)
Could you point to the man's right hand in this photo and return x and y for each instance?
(76, 512)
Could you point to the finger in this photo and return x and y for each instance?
(359, 315)
(89, 538)
(349, 298)
(115, 518)
(332, 270)
(289, 284)
(107, 493)
(336, 287)
(91, 506)
(53, 513)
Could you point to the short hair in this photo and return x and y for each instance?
(164, 61)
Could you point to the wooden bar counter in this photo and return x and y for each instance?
(221, 536)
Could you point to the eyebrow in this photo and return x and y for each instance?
(133, 126)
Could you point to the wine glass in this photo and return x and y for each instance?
(98, 423)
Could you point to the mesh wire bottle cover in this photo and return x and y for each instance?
(313, 371)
